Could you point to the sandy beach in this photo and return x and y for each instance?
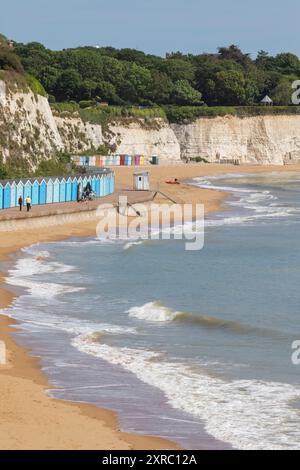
(29, 419)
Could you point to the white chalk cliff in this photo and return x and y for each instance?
(30, 130)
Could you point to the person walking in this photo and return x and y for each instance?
(20, 202)
(28, 203)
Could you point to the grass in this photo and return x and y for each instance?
(180, 114)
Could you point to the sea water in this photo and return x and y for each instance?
(192, 346)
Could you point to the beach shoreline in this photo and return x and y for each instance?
(22, 381)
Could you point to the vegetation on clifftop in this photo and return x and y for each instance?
(130, 77)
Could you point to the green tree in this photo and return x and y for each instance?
(68, 85)
(185, 94)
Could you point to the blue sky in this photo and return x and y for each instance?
(155, 26)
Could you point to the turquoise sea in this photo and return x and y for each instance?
(195, 346)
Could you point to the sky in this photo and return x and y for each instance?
(156, 26)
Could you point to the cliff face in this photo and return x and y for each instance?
(138, 137)
(261, 139)
(30, 131)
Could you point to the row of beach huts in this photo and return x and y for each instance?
(114, 160)
(54, 190)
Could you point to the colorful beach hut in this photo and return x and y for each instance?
(56, 190)
(35, 193)
(43, 192)
(6, 196)
(13, 192)
(62, 190)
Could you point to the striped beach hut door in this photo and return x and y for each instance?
(43, 192)
(56, 190)
(1, 196)
(62, 190)
(6, 196)
(69, 189)
(49, 197)
(13, 192)
(35, 193)
(74, 189)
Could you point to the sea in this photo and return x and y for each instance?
(194, 346)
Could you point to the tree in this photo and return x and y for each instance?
(107, 92)
(282, 93)
(136, 85)
(9, 60)
(178, 69)
(161, 88)
(68, 85)
(230, 87)
(234, 53)
(185, 94)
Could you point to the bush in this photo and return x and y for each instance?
(65, 107)
(35, 86)
(9, 60)
(53, 167)
(179, 114)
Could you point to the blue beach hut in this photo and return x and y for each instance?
(93, 184)
(27, 190)
(98, 186)
(62, 190)
(20, 191)
(35, 193)
(56, 190)
(113, 183)
(1, 196)
(101, 191)
(13, 192)
(84, 182)
(74, 189)
(69, 189)
(6, 196)
(49, 197)
(43, 192)
(111, 189)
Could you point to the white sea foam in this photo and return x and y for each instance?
(26, 271)
(153, 312)
(259, 203)
(234, 412)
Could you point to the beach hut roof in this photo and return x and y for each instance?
(267, 99)
(24, 181)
